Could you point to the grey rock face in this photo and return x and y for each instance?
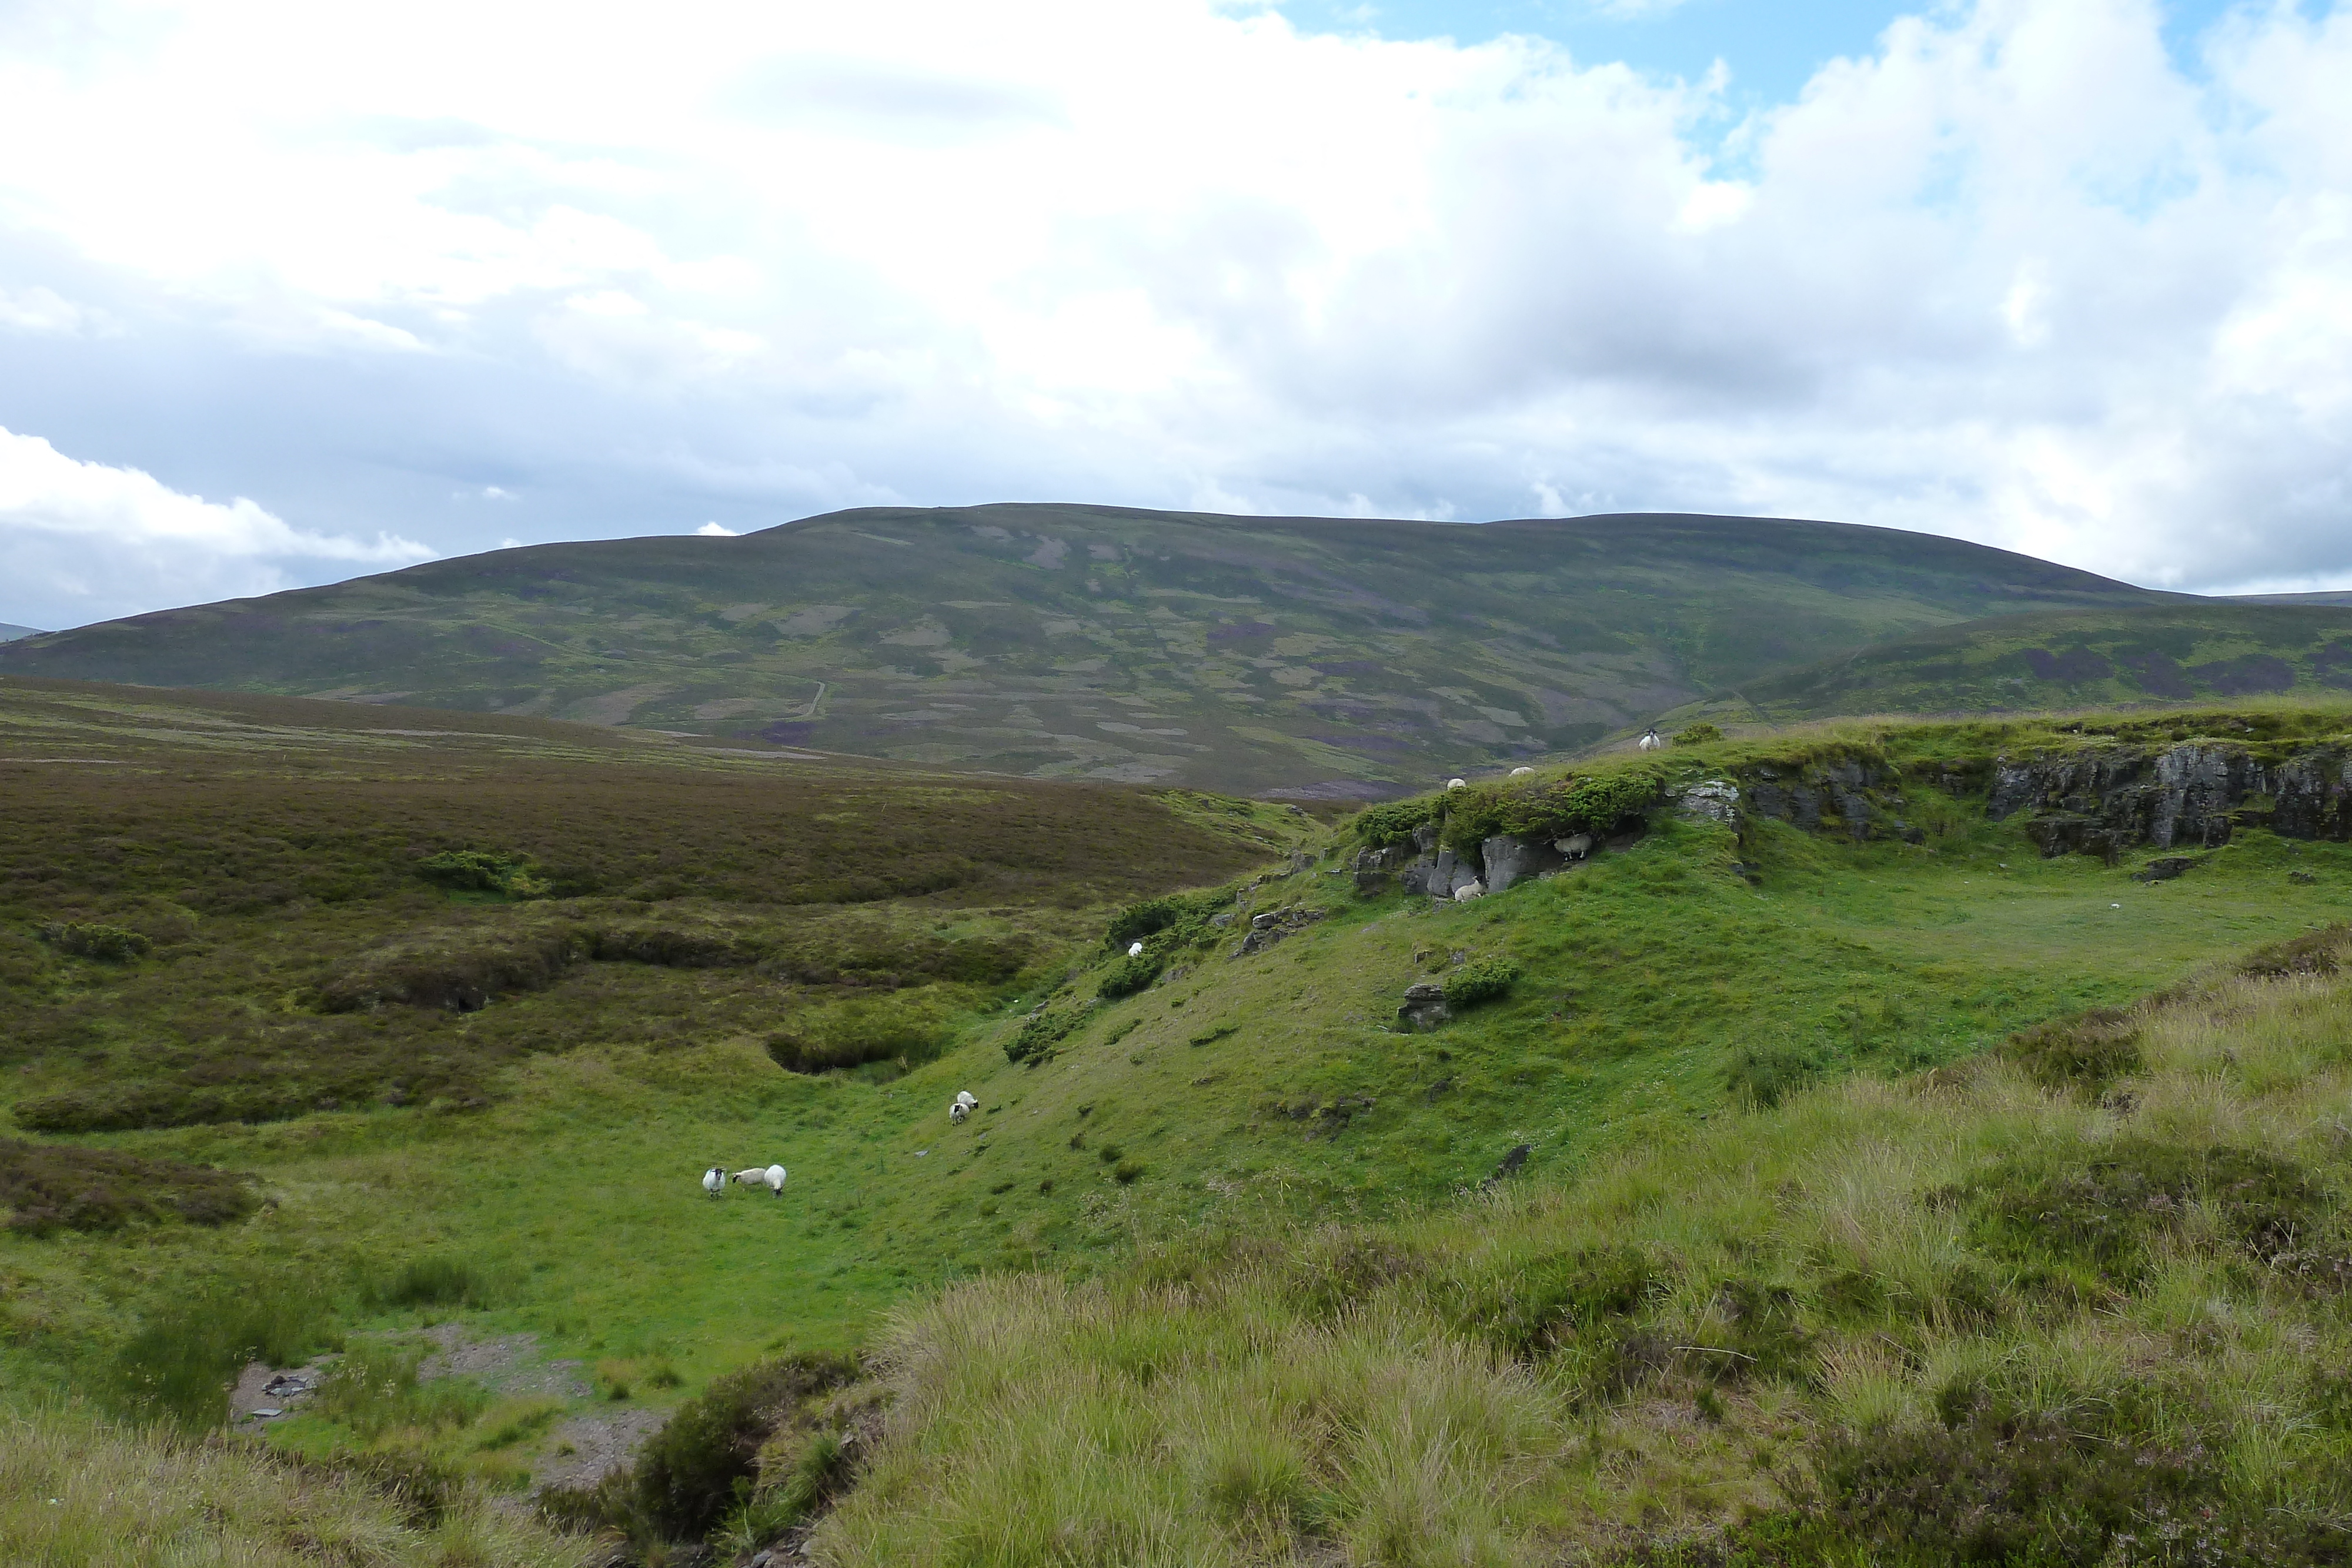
(1508, 860)
(1714, 801)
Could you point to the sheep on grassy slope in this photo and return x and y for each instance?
(770, 1177)
(1650, 741)
(1457, 784)
(1135, 949)
(714, 1180)
(963, 1105)
(1519, 772)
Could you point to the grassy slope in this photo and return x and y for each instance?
(2214, 651)
(1649, 972)
(1073, 642)
(1963, 1317)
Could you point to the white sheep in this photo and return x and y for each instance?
(714, 1180)
(1135, 949)
(1521, 772)
(1650, 741)
(963, 1105)
(770, 1177)
(1469, 890)
(1457, 783)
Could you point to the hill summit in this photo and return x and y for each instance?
(1300, 656)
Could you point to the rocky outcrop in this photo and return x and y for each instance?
(1845, 795)
(2104, 801)
(1424, 866)
(1272, 926)
(1711, 800)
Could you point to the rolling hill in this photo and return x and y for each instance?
(1307, 656)
(10, 633)
(2123, 656)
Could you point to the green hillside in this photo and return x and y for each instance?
(463, 1005)
(1322, 655)
(2208, 650)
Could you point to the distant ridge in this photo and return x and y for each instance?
(1323, 656)
(2205, 651)
(10, 633)
(2326, 596)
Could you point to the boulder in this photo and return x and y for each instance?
(1424, 1005)
(2166, 867)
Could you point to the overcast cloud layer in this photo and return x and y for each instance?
(382, 283)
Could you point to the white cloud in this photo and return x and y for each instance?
(2012, 276)
(715, 531)
(101, 541)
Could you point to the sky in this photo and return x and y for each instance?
(291, 293)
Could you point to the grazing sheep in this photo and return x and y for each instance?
(774, 1176)
(754, 1176)
(1521, 772)
(964, 1105)
(1457, 783)
(714, 1180)
(1650, 741)
(1468, 891)
(1135, 949)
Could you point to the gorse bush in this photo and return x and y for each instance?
(1395, 821)
(481, 870)
(1480, 980)
(1697, 734)
(107, 943)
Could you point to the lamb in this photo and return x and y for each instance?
(1650, 741)
(714, 1180)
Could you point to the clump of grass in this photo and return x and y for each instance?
(374, 1390)
(437, 1280)
(1764, 1075)
(909, 1028)
(74, 1489)
(2086, 1051)
(1697, 734)
(178, 1367)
